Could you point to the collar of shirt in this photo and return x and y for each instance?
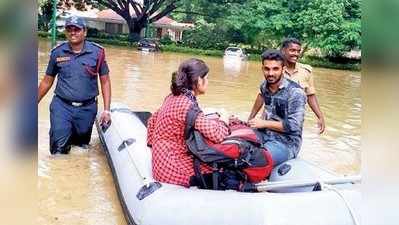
(283, 84)
(86, 48)
(286, 72)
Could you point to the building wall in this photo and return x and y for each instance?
(174, 34)
(96, 24)
(125, 29)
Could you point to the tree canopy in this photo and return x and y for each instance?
(333, 26)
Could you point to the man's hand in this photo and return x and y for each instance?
(256, 123)
(268, 124)
(321, 124)
(105, 117)
(256, 107)
(314, 105)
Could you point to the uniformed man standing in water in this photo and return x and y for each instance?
(73, 108)
(302, 74)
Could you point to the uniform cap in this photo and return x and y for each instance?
(75, 21)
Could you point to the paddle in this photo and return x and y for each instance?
(275, 185)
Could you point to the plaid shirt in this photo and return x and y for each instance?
(171, 161)
(288, 106)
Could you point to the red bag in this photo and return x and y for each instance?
(241, 150)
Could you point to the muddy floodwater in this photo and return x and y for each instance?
(78, 188)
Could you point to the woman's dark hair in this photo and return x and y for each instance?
(186, 77)
(272, 54)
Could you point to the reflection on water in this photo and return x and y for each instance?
(234, 65)
(78, 188)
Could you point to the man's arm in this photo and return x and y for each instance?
(294, 121)
(260, 123)
(296, 112)
(268, 124)
(106, 90)
(44, 86)
(106, 93)
(256, 107)
(314, 105)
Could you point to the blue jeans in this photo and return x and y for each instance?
(279, 151)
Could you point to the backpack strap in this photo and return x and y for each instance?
(190, 120)
(198, 175)
(189, 130)
(191, 116)
(215, 176)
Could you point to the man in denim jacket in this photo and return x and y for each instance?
(284, 102)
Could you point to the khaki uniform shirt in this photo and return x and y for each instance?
(303, 76)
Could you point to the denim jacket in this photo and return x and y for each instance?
(288, 106)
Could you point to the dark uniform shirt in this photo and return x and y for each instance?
(75, 82)
(288, 106)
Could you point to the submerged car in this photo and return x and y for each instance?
(235, 52)
(148, 45)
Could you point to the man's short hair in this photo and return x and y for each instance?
(286, 42)
(272, 54)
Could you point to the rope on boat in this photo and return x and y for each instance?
(149, 186)
(348, 206)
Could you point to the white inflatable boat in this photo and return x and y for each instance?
(297, 193)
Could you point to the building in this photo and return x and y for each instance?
(110, 22)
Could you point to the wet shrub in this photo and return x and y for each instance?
(92, 32)
(206, 37)
(182, 49)
(166, 40)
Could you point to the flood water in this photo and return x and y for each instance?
(78, 188)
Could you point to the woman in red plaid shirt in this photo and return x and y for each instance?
(171, 161)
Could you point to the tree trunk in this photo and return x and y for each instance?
(135, 28)
(304, 49)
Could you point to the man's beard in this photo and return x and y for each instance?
(277, 80)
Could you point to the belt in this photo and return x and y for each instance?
(78, 104)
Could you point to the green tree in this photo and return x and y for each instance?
(334, 26)
(45, 9)
(80, 5)
(204, 10)
(254, 17)
(45, 14)
(207, 36)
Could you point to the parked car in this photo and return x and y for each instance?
(235, 52)
(148, 45)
